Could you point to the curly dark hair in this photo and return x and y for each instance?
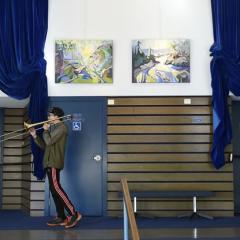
(56, 111)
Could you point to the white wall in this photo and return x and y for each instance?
(123, 21)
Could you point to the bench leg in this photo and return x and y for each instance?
(185, 215)
(205, 216)
(194, 212)
(135, 204)
(194, 204)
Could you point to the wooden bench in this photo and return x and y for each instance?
(173, 194)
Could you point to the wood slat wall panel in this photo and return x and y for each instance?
(27, 158)
(207, 138)
(219, 196)
(36, 213)
(159, 120)
(40, 196)
(7, 206)
(191, 176)
(181, 205)
(20, 137)
(159, 101)
(27, 169)
(12, 176)
(11, 200)
(12, 127)
(171, 186)
(158, 148)
(167, 129)
(16, 152)
(159, 157)
(15, 120)
(37, 205)
(10, 192)
(27, 150)
(14, 144)
(13, 168)
(26, 185)
(158, 143)
(12, 153)
(37, 186)
(34, 190)
(14, 112)
(166, 167)
(20, 188)
(12, 183)
(14, 159)
(179, 110)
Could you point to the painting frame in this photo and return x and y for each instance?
(80, 61)
(161, 61)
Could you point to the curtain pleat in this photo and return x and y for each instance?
(23, 30)
(225, 72)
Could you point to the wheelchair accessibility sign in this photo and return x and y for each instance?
(76, 126)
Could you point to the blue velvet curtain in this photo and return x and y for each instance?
(23, 30)
(225, 71)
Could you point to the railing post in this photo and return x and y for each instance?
(128, 214)
(125, 221)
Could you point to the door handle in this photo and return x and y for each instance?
(97, 158)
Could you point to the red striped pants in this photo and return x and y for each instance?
(60, 197)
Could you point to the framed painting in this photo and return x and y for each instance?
(83, 61)
(161, 61)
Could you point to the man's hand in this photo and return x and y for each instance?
(46, 126)
(32, 131)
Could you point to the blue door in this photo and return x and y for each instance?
(83, 177)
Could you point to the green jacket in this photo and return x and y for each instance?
(53, 142)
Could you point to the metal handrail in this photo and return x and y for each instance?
(128, 213)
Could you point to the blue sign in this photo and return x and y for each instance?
(76, 126)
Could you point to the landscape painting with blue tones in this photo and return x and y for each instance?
(83, 61)
(161, 61)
